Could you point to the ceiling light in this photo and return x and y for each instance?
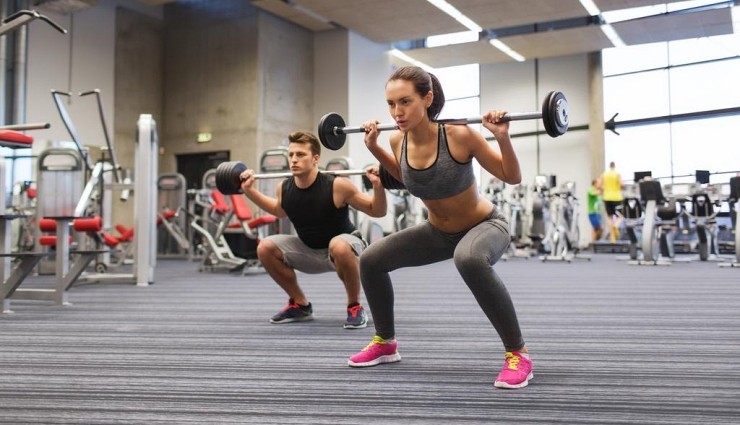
(406, 58)
(590, 7)
(620, 15)
(607, 29)
(307, 11)
(506, 49)
(452, 38)
(452, 11)
(612, 35)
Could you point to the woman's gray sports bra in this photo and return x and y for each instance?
(444, 178)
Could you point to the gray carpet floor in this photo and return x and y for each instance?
(611, 343)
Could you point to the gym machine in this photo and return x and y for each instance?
(146, 166)
(60, 178)
(93, 201)
(517, 216)
(658, 225)
(683, 237)
(275, 160)
(144, 243)
(171, 199)
(704, 203)
(16, 266)
(541, 225)
(23, 17)
(565, 235)
(10, 137)
(406, 210)
(633, 216)
(212, 249)
(734, 201)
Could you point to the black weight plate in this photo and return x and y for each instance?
(560, 113)
(328, 137)
(227, 177)
(547, 117)
(223, 184)
(220, 185)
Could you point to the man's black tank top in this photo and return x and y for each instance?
(312, 211)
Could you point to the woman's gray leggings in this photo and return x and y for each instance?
(474, 252)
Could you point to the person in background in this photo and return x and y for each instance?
(317, 205)
(611, 185)
(594, 210)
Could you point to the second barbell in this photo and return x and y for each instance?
(229, 181)
(333, 132)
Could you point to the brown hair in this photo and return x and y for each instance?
(423, 82)
(303, 138)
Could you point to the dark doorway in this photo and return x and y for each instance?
(194, 165)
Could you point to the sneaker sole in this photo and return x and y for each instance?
(347, 326)
(506, 385)
(291, 320)
(391, 358)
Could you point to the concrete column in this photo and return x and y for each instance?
(596, 113)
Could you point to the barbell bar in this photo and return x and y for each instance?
(333, 131)
(229, 182)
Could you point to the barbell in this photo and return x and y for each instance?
(333, 131)
(229, 182)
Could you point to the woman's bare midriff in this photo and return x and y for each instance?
(460, 212)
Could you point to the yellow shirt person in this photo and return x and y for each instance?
(611, 187)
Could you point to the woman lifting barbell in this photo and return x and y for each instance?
(434, 162)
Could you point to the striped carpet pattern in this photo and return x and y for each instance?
(611, 343)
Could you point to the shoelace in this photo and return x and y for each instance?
(512, 361)
(355, 310)
(376, 340)
(291, 304)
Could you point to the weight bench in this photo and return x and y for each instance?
(11, 278)
(15, 140)
(215, 250)
(66, 272)
(27, 261)
(243, 213)
(167, 218)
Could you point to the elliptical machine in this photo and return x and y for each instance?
(565, 234)
(703, 214)
(734, 201)
(633, 217)
(657, 229)
(541, 226)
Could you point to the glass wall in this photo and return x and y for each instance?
(665, 79)
(461, 85)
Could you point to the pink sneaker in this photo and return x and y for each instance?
(517, 371)
(377, 352)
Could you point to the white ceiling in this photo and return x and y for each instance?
(524, 25)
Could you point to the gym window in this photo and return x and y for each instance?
(461, 86)
(665, 79)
